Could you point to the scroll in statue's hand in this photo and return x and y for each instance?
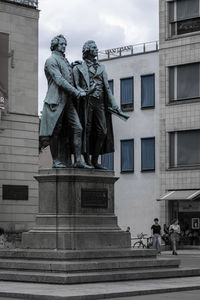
(117, 111)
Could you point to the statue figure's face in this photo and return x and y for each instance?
(93, 50)
(61, 45)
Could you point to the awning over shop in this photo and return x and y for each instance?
(181, 195)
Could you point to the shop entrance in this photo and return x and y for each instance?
(188, 214)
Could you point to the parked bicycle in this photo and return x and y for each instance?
(142, 241)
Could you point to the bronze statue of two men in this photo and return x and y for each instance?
(76, 117)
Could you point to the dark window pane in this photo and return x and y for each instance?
(148, 90)
(187, 9)
(173, 29)
(188, 81)
(127, 155)
(188, 26)
(127, 93)
(188, 148)
(171, 11)
(148, 154)
(111, 85)
(171, 149)
(107, 161)
(187, 17)
(3, 69)
(171, 84)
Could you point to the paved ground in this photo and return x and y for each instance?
(192, 295)
(111, 290)
(189, 258)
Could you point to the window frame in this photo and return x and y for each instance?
(173, 33)
(175, 165)
(175, 91)
(150, 106)
(154, 168)
(128, 106)
(131, 170)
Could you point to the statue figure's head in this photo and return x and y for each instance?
(90, 49)
(58, 43)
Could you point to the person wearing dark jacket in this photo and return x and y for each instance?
(156, 233)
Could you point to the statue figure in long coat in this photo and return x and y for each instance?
(95, 109)
(60, 124)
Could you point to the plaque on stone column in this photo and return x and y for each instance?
(92, 198)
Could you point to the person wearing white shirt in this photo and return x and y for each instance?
(174, 231)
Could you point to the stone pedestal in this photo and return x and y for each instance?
(76, 212)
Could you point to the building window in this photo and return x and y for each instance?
(148, 91)
(184, 82)
(148, 154)
(184, 16)
(127, 94)
(127, 155)
(111, 85)
(4, 70)
(184, 148)
(107, 161)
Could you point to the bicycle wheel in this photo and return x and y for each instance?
(139, 244)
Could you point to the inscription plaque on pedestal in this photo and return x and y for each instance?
(92, 198)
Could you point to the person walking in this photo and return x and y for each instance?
(156, 233)
(174, 231)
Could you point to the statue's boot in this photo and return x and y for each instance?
(58, 164)
(78, 163)
(54, 144)
(88, 160)
(96, 164)
(97, 151)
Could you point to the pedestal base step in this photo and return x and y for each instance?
(68, 267)
(85, 277)
(86, 265)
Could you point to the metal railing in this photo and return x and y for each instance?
(28, 3)
(128, 50)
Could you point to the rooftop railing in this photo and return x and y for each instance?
(28, 3)
(128, 50)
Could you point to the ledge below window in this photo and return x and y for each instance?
(148, 171)
(127, 107)
(185, 168)
(183, 101)
(127, 172)
(147, 107)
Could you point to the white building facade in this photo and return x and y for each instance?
(133, 74)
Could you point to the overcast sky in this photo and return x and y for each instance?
(111, 23)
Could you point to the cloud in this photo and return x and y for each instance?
(111, 24)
